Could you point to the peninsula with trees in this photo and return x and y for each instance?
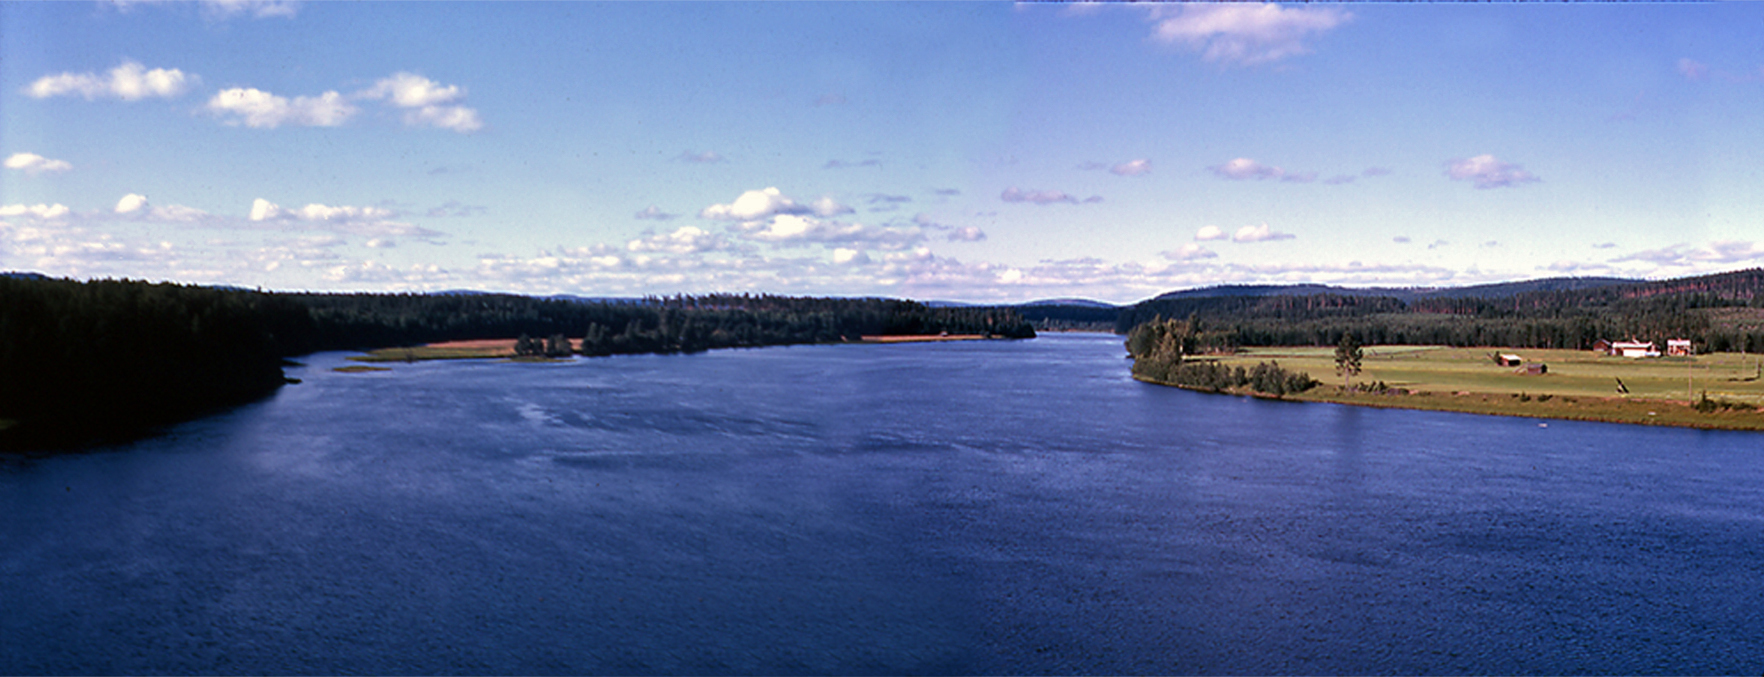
(1538, 349)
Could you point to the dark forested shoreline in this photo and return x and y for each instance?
(90, 362)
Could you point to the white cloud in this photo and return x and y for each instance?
(373, 222)
(1044, 197)
(33, 164)
(966, 234)
(409, 90)
(827, 206)
(845, 256)
(1132, 168)
(227, 9)
(654, 213)
(1209, 232)
(423, 98)
(260, 109)
(1245, 34)
(1189, 252)
(1720, 252)
(130, 82)
(798, 230)
(1487, 172)
(131, 203)
(1401, 239)
(1261, 233)
(756, 205)
(1244, 168)
(41, 211)
(685, 240)
(136, 207)
(264, 210)
(455, 118)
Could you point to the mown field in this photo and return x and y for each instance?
(1580, 384)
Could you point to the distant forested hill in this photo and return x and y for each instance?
(1722, 312)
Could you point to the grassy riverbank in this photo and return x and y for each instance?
(1580, 385)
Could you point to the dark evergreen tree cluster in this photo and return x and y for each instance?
(1161, 351)
(83, 362)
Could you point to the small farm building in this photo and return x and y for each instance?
(1680, 347)
(1635, 349)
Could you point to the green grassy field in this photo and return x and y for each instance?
(1580, 384)
(421, 353)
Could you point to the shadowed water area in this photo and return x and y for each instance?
(976, 507)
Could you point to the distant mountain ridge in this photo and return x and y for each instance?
(1406, 294)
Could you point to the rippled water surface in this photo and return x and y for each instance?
(984, 507)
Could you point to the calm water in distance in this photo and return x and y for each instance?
(982, 507)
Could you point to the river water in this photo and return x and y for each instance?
(977, 507)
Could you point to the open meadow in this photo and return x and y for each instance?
(1578, 384)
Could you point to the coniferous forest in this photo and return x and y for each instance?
(84, 362)
(1718, 313)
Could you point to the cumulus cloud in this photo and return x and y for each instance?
(264, 210)
(1138, 167)
(966, 234)
(1044, 197)
(1244, 34)
(1244, 168)
(1209, 232)
(136, 207)
(131, 203)
(685, 240)
(854, 257)
(755, 205)
(798, 230)
(259, 109)
(1261, 233)
(654, 213)
(704, 158)
(34, 164)
(1721, 252)
(362, 221)
(130, 81)
(1487, 172)
(41, 211)
(1188, 252)
(426, 103)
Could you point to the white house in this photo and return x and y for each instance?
(1680, 347)
(1634, 349)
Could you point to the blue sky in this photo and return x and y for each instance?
(963, 151)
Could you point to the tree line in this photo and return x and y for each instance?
(89, 361)
(1717, 313)
(1162, 352)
